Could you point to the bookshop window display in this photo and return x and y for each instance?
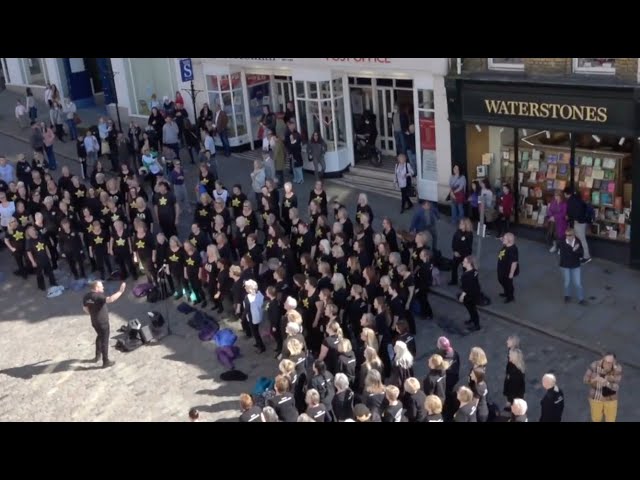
(226, 91)
(601, 175)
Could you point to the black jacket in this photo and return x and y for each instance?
(325, 387)
(576, 209)
(342, 404)
(514, 385)
(570, 255)
(414, 405)
(552, 405)
(347, 365)
(435, 384)
(453, 372)
(471, 285)
(462, 243)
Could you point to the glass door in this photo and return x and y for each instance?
(384, 116)
(284, 94)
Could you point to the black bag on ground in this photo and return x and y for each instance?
(128, 344)
(484, 301)
(442, 263)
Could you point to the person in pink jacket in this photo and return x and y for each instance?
(557, 215)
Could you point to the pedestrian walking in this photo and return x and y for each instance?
(316, 149)
(471, 292)
(603, 377)
(552, 403)
(462, 247)
(221, 123)
(95, 304)
(508, 266)
(571, 252)
(69, 111)
(403, 180)
(556, 221)
(30, 104)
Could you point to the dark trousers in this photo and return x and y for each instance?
(457, 261)
(175, 147)
(41, 271)
(411, 320)
(470, 305)
(406, 199)
(224, 139)
(196, 287)
(126, 266)
(168, 227)
(18, 256)
(507, 285)
(149, 270)
(276, 331)
(103, 264)
(60, 131)
(280, 177)
(76, 264)
(102, 341)
(425, 306)
(255, 333)
(502, 224)
(178, 281)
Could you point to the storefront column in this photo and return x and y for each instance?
(348, 122)
(635, 204)
(516, 170)
(459, 146)
(247, 110)
(416, 125)
(572, 164)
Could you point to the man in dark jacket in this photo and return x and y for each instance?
(552, 404)
(571, 252)
(577, 216)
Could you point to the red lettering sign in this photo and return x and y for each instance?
(360, 60)
(428, 133)
(256, 79)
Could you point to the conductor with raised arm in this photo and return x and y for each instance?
(95, 304)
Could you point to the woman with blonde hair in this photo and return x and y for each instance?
(478, 359)
(346, 363)
(368, 337)
(436, 381)
(371, 362)
(294, 332)
(402, 366)
(433, 407)
(374, 393)
(329, 347)
(467, 411)
(514, 380)
(414, 401)
(315, 409)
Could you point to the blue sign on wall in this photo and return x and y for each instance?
(186, 70)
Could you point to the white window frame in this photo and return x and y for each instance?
(597, 70)
(505, 66)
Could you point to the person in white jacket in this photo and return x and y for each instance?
(252, 318)
(403, 175)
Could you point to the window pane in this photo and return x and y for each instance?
(300, 90)
(224, 82)
(327, 124)
(509, 61)
(258, 89)
(150, 76)
(313, 89)
(606, 63)
(404, 83)
(33, 67)
(339, 119)
(238, 106)
(425, 100)
(226, 100)
(212, 82)
(325, 89)
(236, 81)
(337, 87)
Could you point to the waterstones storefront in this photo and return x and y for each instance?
(542, 137)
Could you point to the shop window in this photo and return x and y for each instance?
(34, 73)
(506, 63)
(594, 65)
(404, 83)
(226, 91)
(384, 82)
(259, 96)
(149, 76)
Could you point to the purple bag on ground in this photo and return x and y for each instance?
(141, 290)
(207, 332)
(225, 338)
(226, 356)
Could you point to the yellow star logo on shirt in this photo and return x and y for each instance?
(79, 193)
(318, 232)
(120, 242)
(318, 198)
(140, 244)
(204, 181)
(193, 241)
(248, 220)
(132, 204)
(414, 255)
(402, 284)
(235, 202)
(115, 217)
(173, 258)
(266, 307)
(23, 219)
(39, 246)
(502, 254)
(305, 303)
(391, 273)
(265, 216)
(105, 210)
(287, 203)
(300, 241)
(99, 191)
(269, 243)
(380, 262)
(162, 201)
(358, 215)
(203, 212)
(18, 235)
(190, 262)
(335, 268)
(89, 228)
(98, 240)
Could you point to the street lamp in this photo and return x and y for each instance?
(112, 75)
(193, 93)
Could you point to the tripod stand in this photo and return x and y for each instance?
(163, 286)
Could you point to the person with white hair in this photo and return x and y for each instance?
(514, 380)
(552, 403)
(402, 368)
(253, 313)
(342, 403)
(519, 410)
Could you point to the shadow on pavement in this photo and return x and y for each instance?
(27, 372)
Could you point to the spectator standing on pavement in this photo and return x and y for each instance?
(48, 95)
(206, 115)
(56, 115)
(156, 122)
(316, 150)
(403, 178)
(48, 138)
(6, 170)
(177, 183)
(293, 144)
(603, 377)
(30, 104)
(103, 133)
(37, 138)
(69, 111)
(192, 140)
(577, 213)
(258, 179)
(457, 194)
(221, 123)
(552, 403)
(557, 220)
(21, 115)
(92, 148)
(505, 210)
(514, 379)
(278, 153)
(471, 292)
(508, 266)
(171, 135)
(571, 252)
(425, 218)
(135, 142)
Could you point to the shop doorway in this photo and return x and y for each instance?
(283, 93)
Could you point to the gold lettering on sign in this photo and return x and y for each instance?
(547, 110)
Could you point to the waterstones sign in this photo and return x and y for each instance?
(550, 108)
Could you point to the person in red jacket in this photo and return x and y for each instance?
(505, 207)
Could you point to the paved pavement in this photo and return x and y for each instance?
(46, 340)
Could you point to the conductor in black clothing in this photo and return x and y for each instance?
(508, 266)
(462, 247)
(95, 304)
(552, 404)
(470, 292)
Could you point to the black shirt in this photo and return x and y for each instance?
(38, 248)
(17, 239)
(254, 414)
(552, 405)
(321, 198)
(143, 246)
(318, 412)
(414, 405)
(366, 209)
(393, 413)
(70, 243)
(236, 204)
(96, 303)
(203, 216)
(192, 263)
(462, 243)
(166, 205)
(392, 240)
(347, 364)
(466, 414)
(331, 359)
(121, 244)
(471, 285)
(480, 392)
(506, 257)
(176, 262)
(343, 405)
(285, 408)
(145, 216)
(287, 204)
